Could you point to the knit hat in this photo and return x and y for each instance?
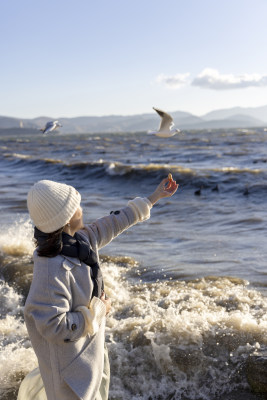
(51, 204)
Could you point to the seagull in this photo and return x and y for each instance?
(166, 125)
(50, 126)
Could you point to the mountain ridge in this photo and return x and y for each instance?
(235, 117)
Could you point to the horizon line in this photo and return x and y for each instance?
(130, 115)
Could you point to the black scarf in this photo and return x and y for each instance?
(76, 246)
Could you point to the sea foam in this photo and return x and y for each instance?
(181, 338)
(16, 240)
(166, 339)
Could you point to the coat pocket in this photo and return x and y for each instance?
(83, 375)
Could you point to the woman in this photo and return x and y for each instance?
(66, 307)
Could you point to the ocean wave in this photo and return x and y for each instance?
(210, 181)
(116, 168)
(166, 339)
(16, 240)
(235, 170)
(186, 339)
(17, 155)
(17, 357)
(22, 157)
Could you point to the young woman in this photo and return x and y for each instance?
(66, 307)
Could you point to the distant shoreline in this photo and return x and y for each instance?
(23, 132)
(232, 118)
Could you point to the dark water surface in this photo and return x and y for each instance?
(191, 304)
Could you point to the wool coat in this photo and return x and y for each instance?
(69, 346)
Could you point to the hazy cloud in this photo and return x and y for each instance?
(212, 79)
(174, 81)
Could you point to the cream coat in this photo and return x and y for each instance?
(70, 358)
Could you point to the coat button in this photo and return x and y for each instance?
(73, 327)
(116, 212)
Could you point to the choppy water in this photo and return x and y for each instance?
(188, 286)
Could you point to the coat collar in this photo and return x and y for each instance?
(70, 262)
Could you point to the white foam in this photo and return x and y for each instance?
(17, 357)
(185, 339)
(16, 240)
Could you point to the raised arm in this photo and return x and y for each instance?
(105, 229)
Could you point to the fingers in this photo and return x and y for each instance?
(169, 181)
(108, 305)
(107, 301)
(174, 189)
(171, 187)
(169, 184)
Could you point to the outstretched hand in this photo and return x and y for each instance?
(106, 300)
(166, 188)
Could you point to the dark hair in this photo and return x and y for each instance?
(50, 244)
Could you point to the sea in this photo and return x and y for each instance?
(188, 286)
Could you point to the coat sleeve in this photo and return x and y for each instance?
(93, 315)
(105, 229)
(49, 308)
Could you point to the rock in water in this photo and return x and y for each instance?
(257, 372)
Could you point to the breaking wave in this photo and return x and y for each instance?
(166, 339)
(185, 175)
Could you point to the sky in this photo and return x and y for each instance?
(66, 58)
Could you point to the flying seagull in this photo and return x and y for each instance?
(166, 125)
(50, 126)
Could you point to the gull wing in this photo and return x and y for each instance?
(49, 127)
(49, 124)
(166, 120)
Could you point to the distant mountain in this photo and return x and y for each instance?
(236, 117)
(9, 122)
(236, 121)
(259, 113)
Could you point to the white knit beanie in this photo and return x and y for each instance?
(51, 204)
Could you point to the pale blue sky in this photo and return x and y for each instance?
(70, 58)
